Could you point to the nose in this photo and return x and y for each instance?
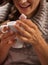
(23, 1)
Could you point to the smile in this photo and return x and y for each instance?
(25, 5)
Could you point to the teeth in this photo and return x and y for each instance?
(25, 5)
(23, 1)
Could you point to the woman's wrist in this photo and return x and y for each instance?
(4, 49)
(5, 45)
(40, 42)
(41, 50)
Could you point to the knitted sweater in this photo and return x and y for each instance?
(41, 19)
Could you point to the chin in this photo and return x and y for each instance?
(26, 13)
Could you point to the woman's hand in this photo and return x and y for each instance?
(28, 31)
(6, 41)
(8, 37)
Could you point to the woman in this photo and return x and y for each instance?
(35, 33)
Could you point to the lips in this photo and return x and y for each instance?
(25, 5)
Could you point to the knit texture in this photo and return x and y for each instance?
(41, 18)
(4, 11)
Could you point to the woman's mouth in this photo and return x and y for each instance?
(25, 5)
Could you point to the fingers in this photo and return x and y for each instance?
(28, 31)
(25, 30)
(22, 38)
(29, 23)
(9, 40)
(25, 39)
(12, 39)
(39, 31)
(25, 26)
(7, 34)
(22, 31)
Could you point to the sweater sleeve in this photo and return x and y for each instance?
(47, 23)
(4, 11)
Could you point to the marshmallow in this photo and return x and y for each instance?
(23, 17)
(12, 23)
(23, 1)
